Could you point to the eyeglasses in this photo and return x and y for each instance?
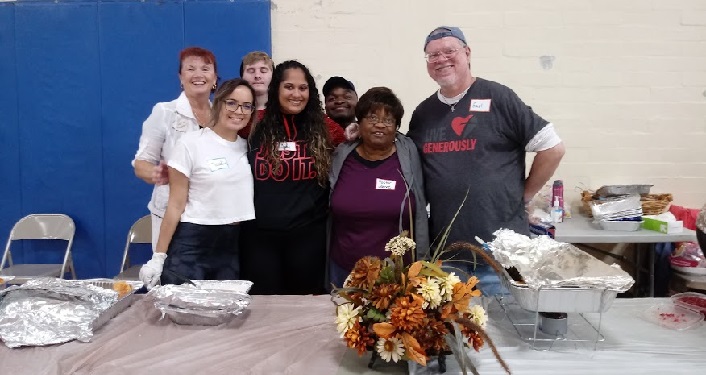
(373, 119)
(232, 105)
(448, 53)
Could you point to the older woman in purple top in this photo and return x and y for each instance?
(375, 182)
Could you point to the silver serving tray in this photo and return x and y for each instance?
(208, 303)
(613, 190)
(200, 317)
(560, 299)
(121, 305)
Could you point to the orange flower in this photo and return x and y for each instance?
(475, 340)
(382, 295)
(407, 313)
(365, 272)
(358, 337)
(431, 335)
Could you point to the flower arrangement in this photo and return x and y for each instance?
(400, 311)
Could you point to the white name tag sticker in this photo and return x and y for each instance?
(287, 146)
(480, 105)
(217, 164)
(381, 184)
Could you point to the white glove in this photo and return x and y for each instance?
(152, 270)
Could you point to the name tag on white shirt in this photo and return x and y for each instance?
(480, 105)
(287, 146)
(381, 184)
(182, 124)
(217, 164)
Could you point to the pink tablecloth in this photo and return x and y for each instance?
(278, 335)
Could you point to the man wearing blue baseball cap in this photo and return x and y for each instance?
(472, 135)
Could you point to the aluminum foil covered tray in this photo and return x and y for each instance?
(50, 311)
(207, 303)
(557, 277)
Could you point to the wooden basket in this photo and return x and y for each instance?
(652, 204)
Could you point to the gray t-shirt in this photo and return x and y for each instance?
(479, 146)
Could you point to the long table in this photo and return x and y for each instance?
(297, 335)
(580, 229)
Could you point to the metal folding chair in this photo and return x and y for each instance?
(40, 227)
(140, 233)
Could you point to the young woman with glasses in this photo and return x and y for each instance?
(211, 193)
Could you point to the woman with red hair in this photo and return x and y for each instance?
(168, 121)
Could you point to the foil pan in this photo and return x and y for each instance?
(207, 303)
(543, 262)
(562, 299)
(613, 190)
(48, 311)
(616, 208)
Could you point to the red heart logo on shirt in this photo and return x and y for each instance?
(459, 123)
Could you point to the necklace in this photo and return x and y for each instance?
(451, 102)
(198, 118)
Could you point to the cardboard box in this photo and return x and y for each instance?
(666, 227)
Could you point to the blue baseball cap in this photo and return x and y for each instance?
(444, 31)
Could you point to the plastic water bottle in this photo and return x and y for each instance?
(557, 212)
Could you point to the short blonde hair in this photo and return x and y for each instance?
(254, 57)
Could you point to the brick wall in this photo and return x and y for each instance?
(624, 82)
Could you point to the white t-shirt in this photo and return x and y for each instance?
(220, 181)
(160, 132)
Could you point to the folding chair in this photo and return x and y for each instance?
(40, 227)
(140, 232)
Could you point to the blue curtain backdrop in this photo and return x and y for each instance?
(79, 78)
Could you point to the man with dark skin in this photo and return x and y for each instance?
(340, 100)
